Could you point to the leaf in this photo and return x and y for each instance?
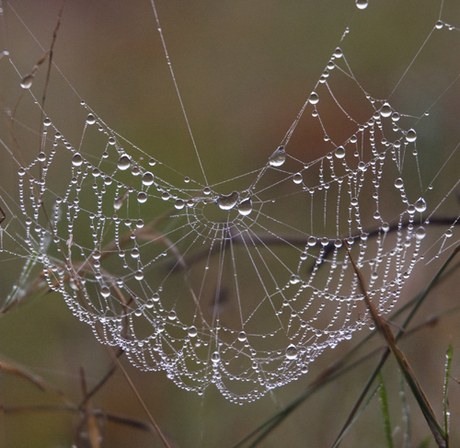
(385, 411)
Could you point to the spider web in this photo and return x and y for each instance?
(243, 282)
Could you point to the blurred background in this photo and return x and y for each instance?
(244, 70)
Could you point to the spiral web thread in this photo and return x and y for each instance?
(238, 283)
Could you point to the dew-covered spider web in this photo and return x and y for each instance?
(242, 282)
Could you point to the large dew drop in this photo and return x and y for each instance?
(27, 81)
(420, 205)
(291, 352)
(411, 136)
(77, 159)
(278, 157)
(362, 4)
(386, 110)
(340, 152)
(124, 162)
(147, 178)
(245, 207)
(227, 202)
(314, 98)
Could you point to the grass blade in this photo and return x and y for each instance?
(449, 354)
(385, 411)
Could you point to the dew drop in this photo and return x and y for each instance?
(242, 336)
(420, 205)
(46, 122)
(77, 159)
(245, 207)
(227, 202)
(338, 53)
(147, 178)
(297, 179)
(112, 141)
(278, 157)
(411, 136)
(340, 152)
(142, 197)
(124, 162)
(27, 81)
(395, 116)
(354, 202)
(385, 111)
(291, 352)
(105, 291)
(139, 275)
(179, 204)
(215, 357)
(91, 119)
(192, 331)
(41, 157)
(399, 183)
(362, 4)
(311, 241)
(439, 24)
(314, 98)
(206, 191)
(172, 315)
(420, 233)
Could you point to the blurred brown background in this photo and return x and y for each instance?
(244, 69)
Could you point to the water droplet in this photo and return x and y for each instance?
(105, 291)
(147, 178)
(395, 116)
(362, 4)
(77, 159)
(156, 297)
(227, 202)
(179, 204)
(46, 122)
(376, 215)
(112, 141)
(139, 275)
(385, 111)
(192, 331)
(420, 233)
(294, 279)
(439, 24)
(399, 183)
(142, 197)
(206, 191)
(27, 81)
(297, 179)
(91, 119)
(165, 196)
(420, 205)
(340, 152)
(311, 241)
(215, 357)
(242, 336)
(314, 98)
(448, 233)
(354, 202)
(338, 53)
(41, 157)
(278, 157)
(172, 315)
(291, 352)
(124, 162)
(411, 136)
(245, 207)
(186, 179)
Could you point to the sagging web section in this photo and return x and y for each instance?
(237, 283)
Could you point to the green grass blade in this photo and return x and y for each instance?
(385, 412)
(449, 354)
